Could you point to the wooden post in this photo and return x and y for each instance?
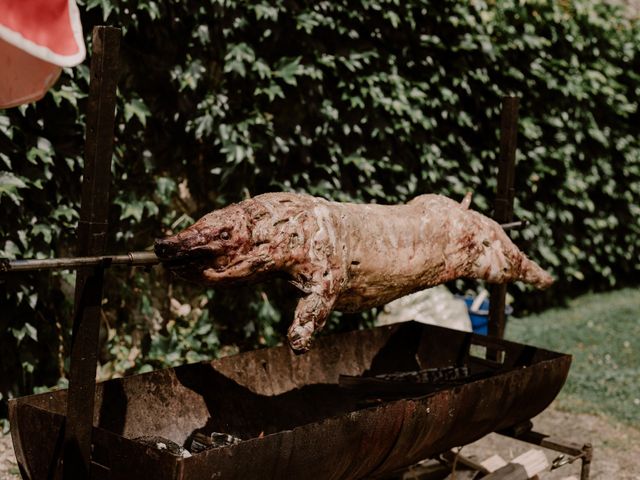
(92, 232)
(503, 207)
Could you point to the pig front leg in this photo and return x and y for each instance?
(311, 314)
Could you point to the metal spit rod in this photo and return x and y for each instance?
(131, 259)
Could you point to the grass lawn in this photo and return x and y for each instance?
(602, 332)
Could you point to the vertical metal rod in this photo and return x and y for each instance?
(585, 469)
(503, 207)
(92, 232)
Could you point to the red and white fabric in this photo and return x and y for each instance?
(37, 39)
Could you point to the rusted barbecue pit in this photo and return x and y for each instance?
(295, 418)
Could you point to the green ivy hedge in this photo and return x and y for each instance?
(374, 102)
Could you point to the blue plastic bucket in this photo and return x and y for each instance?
(480, 318)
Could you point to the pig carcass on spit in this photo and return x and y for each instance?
(345, 256)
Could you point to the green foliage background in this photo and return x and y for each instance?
(377, 101)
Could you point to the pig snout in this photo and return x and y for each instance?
(166, 247)
(182, 244)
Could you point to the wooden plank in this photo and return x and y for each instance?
(533, 461)
(523, 467)
(493, 463)
(458, 459)
(511, 471)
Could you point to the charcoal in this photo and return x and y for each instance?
(429, 375)
(388, 386)
(162, 443)
(199, 442)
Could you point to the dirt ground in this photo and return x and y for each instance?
(8, 466)
(616, 447)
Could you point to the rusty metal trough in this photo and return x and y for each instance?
(295, 419)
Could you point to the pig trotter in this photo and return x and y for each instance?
(311, 314)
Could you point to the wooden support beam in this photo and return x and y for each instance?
(92, 233)
(503, 207)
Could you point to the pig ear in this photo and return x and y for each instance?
(466, 201)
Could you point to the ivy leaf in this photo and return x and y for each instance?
(105, 5)
(44, 230)
(6, 160)
(272, 91)
(136, 107)
(289, 70)
(68, 93)
(10, 250)
(266, 12)
(65, 212)
(237, 58)
(5, 126)
(132, 210)
(10, 184)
